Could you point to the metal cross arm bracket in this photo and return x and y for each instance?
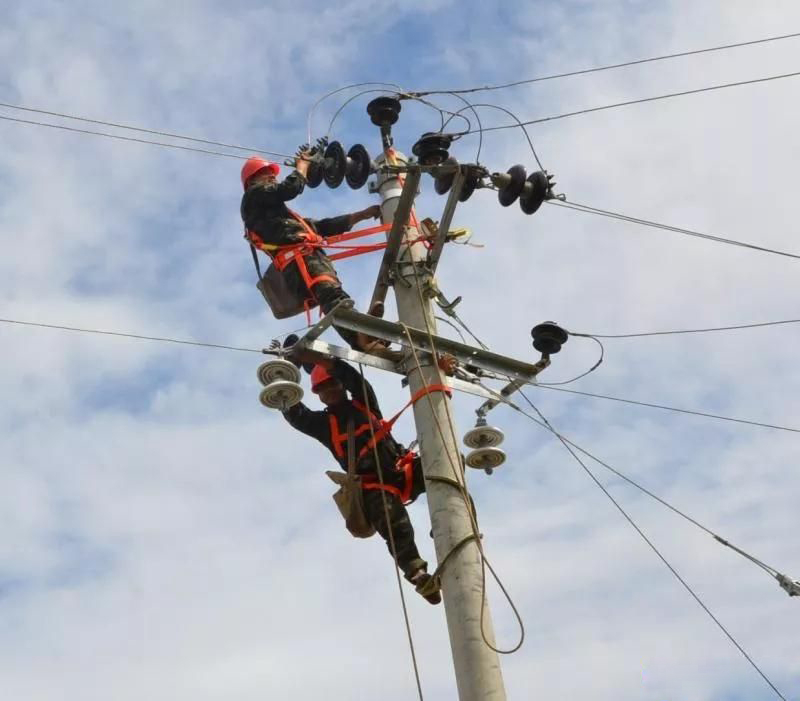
(328, 350)
(395, 237)
(465, 354)
(509, 389)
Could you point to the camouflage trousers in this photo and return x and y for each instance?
(408, 559)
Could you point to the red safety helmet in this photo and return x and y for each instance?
(319, 375)
(255, 164)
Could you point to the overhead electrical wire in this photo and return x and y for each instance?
(122, 138)
(427, 103)
(767, 568)
(586, 209)
(220, 346)
(642, 100)
(613, 66)
(468, 106)
(161, 339)
(684, 331)
(664, 407)
(319, 101)
(571, 447)
(558, 388)
(129, 127)
(544, 423)
(510, 114)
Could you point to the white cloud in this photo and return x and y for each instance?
(166, 537)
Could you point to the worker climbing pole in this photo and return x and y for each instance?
(477, 666)
(351, 427)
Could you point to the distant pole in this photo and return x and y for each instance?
(477, 667)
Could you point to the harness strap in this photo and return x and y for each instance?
(405, 463)
(386, 426)
(255, 260)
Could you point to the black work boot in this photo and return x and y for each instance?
(427, 587)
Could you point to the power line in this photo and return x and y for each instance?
(664, 407)
(672, 408)
(221, 346)
(131, 335)
(613, 66)
(117, 125)
(586, 209)
(682, 331)
(544, 423)
(120, 137)
(770, 570)
(640, 101)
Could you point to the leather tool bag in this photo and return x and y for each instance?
(350, 496)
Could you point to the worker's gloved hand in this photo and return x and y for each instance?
(374, 211)
(301, 358)
(447, 363)
(288, 342)
(320, 146)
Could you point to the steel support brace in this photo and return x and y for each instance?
(446, 220)
(396, 234)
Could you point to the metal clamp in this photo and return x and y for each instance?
(791, 586)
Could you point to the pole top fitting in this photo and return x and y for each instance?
(384, 111)
(432, 148)
(548, 337)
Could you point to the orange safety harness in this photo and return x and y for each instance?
(382, 428)
(283, 256)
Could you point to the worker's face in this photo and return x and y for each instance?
(264, 178)
(331, 392)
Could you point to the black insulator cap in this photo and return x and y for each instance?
(442, 182)
(548, 337)
(432, 148)
(384, 111)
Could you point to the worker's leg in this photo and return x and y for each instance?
(329, 293)
(408, 559)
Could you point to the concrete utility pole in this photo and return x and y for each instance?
(477, 666)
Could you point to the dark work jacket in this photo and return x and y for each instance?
(265, 213)
(317, 424)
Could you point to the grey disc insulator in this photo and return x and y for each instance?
(483, 437)
(281, 394)
(486, 458)
(274, 370)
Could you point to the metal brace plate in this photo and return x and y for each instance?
(446, 220)
(396, 234)
(357, 357)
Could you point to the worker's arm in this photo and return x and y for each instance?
(305, 420)
(339, 225)
(266, 196)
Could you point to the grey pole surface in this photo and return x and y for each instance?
(477, 667)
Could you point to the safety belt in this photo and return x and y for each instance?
(351, 447)
(255, 260)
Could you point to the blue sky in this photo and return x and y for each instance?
(165, 537)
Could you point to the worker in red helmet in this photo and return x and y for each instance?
(403, 481)
(292, 241)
